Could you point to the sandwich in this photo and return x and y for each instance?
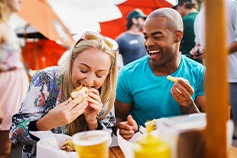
(83, 90)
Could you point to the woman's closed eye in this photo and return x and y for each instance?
(100, 74)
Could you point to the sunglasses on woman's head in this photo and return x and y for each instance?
(90, 35)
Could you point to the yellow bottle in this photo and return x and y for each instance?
(150, 146)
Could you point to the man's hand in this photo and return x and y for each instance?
(197, 52)
(182, 93)
(128, 128)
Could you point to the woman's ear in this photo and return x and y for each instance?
(178, 36)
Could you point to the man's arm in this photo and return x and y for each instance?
(195, 106)
(233, 47)
(122, 110)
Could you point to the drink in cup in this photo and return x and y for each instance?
(92, 144)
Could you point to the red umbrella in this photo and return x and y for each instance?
(115, 27)
(38, 54)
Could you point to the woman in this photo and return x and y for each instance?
(13, 77)
(48, 105)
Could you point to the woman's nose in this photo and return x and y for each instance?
(90, 79)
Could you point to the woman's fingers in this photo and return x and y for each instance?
(79, 109)
(76, 101)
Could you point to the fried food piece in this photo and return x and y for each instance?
(68, 146)
(172, 79)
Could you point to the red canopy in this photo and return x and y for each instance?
(115, 27)
(42, 53)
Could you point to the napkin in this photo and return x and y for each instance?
(49, 145)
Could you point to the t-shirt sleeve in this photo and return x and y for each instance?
(200, 82)
(123, 92)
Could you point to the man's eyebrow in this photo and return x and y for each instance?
(154, 33)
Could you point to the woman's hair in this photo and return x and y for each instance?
(2, 10)
(107, 90)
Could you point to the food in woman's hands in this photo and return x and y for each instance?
(68, 146)
(80, 90)
(172, 79)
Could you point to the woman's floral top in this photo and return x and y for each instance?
(44, 94)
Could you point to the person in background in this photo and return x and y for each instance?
(143, 91)
(188, 11)
(131, 42)
(48, 105)
(231, 25)
(13, 77)
(1, 116)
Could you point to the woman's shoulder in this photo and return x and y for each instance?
(48, 73)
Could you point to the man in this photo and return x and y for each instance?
(131, 42)
(143, 91)
(188, 11)
(231, 25)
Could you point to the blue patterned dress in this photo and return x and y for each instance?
(44, 94)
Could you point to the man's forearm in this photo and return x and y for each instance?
(191, 108)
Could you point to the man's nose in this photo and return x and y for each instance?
(148, 42)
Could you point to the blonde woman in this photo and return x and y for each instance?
(48, 105)
(13, 77)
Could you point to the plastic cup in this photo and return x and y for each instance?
(92, 144)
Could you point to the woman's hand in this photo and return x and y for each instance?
(94, 107)
(63, 113)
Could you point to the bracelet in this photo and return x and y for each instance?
(99, 127)
(32, 127)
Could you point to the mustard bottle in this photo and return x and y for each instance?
(150, 146)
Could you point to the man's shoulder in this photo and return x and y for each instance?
(191, 64)
(121, 36)
(190, 17)
(135, 65)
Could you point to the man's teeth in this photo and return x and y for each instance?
(154, 51)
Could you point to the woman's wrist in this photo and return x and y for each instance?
(92, 125)
(42, 126)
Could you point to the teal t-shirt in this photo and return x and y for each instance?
(149, 94)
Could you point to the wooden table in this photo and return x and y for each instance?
(115, 152)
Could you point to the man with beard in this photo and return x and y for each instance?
(131, 41)
(143, 91)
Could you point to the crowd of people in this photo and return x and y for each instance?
(163, 43)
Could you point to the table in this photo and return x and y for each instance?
(115, 152)
(232, 152)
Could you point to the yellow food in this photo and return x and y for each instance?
(68, 146)
(172, 79)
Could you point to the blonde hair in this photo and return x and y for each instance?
(108, 89)
(3, 6)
